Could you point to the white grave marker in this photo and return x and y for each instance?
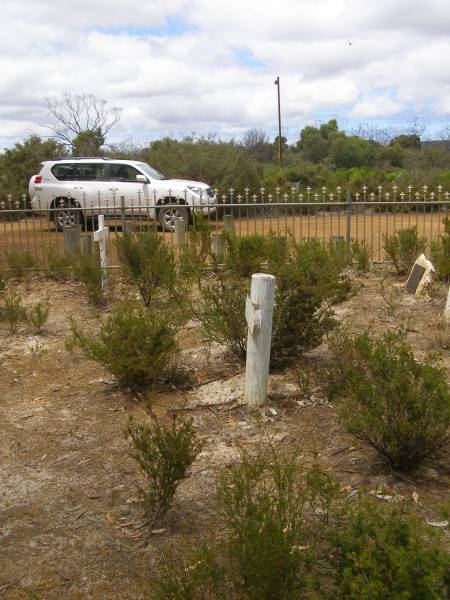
(100, 236)
(447, 308)
(421, 276)
(258, 313)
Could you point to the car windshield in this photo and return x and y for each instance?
(151, 172)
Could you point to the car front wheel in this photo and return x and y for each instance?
(168, 215)
(65, 215)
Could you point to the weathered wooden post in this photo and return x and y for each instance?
(218, 245)
(447, 308)
(258, 312)
(100, 236)
(180, 232)
(228, 224)
(86, 244)
(72, 239)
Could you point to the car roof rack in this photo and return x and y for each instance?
(84, 158)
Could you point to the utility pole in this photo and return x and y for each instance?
(280, 160)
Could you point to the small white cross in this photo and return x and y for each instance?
(100, 236)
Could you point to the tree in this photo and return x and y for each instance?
(314, 142)
(257, 144)
(219, 163)
(351, 151)
(84, 115)
(404, 140)
(88, 143)
(19, 163)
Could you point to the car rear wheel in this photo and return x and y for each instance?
(168, 215)
(66, 215)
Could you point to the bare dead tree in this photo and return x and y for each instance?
(74, 114)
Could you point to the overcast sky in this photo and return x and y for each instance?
(182, 66)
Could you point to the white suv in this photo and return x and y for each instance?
(76, 190)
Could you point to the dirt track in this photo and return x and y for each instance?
(36, 235)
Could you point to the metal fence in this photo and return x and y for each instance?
(324, 215)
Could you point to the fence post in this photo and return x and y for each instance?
(218, 245)
(258, 313)
(228, 224)
(72, 239)
(348, 213)
(180, 232)
(86, 244)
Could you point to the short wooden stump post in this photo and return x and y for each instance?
(218, 245)
(72, 239)
(180, 232)
(258, 313)
(447, 308)
(228, 224)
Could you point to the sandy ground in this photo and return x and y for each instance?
(71, 525)
(38, 234)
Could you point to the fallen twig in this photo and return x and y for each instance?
(217, 405)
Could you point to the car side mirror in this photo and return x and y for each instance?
(141, 178)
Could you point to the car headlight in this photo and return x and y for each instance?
(196, 190)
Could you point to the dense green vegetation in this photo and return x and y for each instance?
(323, 155)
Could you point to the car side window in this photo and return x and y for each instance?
(90, 172)
(64, 171)
(79, 171)
(118, 172)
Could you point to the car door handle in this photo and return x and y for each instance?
(113, 189)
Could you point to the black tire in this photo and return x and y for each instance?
(167, 215)
(64, 217)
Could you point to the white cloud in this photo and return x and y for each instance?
(180, 65)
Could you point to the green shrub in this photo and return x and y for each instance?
(308, 283)
(245, 254)
(262, 503)
(440, 253)
(164, 455)
(137, 344)
(289, 533)
(360, 252)
(38, 314)
(403, 247)
(87, 270)
(397, 405)
(196, 253)
(307, 287)
(59, 266)
(222, 312)
(382, 552)
(19, 262)
(150, 264)
(13, 312)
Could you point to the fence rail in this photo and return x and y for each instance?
(367, 216)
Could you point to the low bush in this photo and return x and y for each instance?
(150, 265)
(87, 270)
(13, 311)
(59, 266)
(38, 314)
(440, 253)
(221, 312)
(137, 344)
(308, 283)
(19, 262)
(164, 455)
(195, 255)
(360, 252)
(287, 534)
(399, 406)
(403, 247)
(246, 254)
(381, 552)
